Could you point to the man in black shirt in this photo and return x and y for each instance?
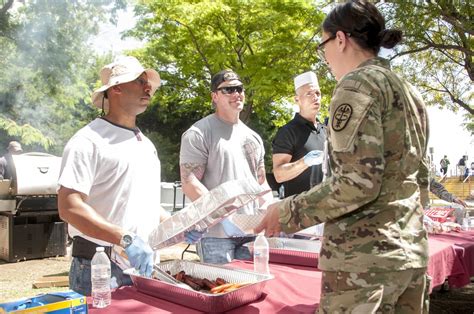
(298, 145)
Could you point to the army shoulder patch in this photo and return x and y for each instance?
(341, 117)
(347, 112)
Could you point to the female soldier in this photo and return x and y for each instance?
(374, 250)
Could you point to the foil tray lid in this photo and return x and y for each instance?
(313, 231)
(206, 211)
(289, 244)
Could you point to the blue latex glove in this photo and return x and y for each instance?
(314, 157)
(193, 236)
(140, 256)
(231, 229)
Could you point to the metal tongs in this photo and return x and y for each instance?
(165, 277)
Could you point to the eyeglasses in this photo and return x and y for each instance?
(141, 81)
(320, 48)
(227, 90)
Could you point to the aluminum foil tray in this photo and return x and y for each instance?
(202, 301)
(312, 232)
(206, 211)
(293, 251)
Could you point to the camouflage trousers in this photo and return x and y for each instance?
(404, 291)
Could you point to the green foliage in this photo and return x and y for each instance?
(437, 55)
(48, 68)
(25, 133)
(266, 42)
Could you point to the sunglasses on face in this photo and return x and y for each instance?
(141, 81)
(227, 90)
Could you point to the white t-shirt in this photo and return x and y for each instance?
(229, 151)
(119, 170)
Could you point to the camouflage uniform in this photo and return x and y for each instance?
(378, 134)
(440, 191)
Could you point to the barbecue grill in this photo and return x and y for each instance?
(30, 226)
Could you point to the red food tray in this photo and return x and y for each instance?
(440, 214)
(293, 251)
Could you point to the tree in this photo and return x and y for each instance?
(437, 54)
(266, 42)
(48, 68)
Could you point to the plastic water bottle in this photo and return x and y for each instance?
(281, 192)
(261, 255)
(100, 278)
(466, 222)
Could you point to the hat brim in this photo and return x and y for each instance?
(234, 82)
(98, 94)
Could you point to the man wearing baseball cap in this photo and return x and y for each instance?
(298, 146)
(109, 178)
(220, 148)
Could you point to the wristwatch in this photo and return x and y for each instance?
(126, 240)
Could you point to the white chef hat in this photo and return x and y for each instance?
(306, 78)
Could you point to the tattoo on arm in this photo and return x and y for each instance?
(189, 171)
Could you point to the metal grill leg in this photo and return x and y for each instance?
(188, 251)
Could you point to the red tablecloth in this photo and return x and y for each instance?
(463, 243)
(451, 257)
(295, 289)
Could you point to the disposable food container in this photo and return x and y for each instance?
(203, 301)
(206, 211)
(292, 251)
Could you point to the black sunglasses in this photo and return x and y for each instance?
(227, 90)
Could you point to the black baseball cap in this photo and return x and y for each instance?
(223, 76)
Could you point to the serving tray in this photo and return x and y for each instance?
(203, 301)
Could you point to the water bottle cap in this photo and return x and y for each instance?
(99, 249)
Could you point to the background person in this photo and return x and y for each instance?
(14, 148)
(293, 146)
(375, 250)
(462, 167)
(444, 163)
(217, 149)
(109, 177)
(440, 191)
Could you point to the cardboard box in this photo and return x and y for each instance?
(68, 302)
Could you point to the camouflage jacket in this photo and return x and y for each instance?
(440, 191)
(378, 134)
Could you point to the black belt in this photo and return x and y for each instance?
(86, 249)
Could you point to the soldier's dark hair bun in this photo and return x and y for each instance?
(365, 24)
(389, 38)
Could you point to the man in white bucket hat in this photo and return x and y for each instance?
(124, 70)
(109, 178)
(298, 146)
